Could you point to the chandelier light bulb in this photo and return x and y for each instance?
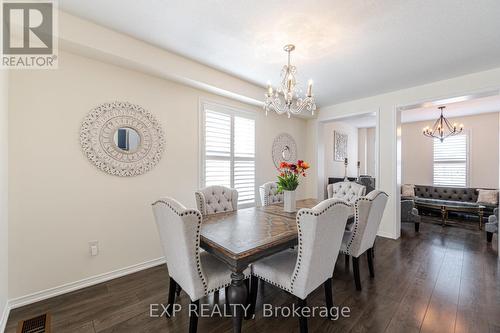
(309, 88)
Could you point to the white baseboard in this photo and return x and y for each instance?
(385, 234)
(87, 282)
(5, 317)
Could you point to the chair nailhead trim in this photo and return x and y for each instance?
(273, 283)
(356, 221)
(299, 229)
(197, 238)
(271, 194)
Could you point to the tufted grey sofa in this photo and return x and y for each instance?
(347, 191)
(426, 193)
(492, 226)
(269, 194)
(216, 199)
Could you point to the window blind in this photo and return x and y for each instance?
(229, 152)
(450, 161)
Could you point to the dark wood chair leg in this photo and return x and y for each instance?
(193, 316)
(171, 297)
(329, 297)
(247, 285)
(417, 226)
(254, 287)
(302, 320)
(369, 255)
(346, 261)
(489, 237)
(373, 250)
(355, 268)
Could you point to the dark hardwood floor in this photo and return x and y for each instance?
(438, 280)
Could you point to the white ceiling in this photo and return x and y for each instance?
(361, 121)
(350, 49)
(453, 110)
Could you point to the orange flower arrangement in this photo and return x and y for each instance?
(288, 179)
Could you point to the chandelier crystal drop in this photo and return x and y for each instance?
(442, 128)
(287, 97)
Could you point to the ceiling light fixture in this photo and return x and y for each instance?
(286, 98)
(442, 128)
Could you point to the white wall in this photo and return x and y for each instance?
(371, 158)
(3, 196)
(336, 168)
(366, 150)
(386, 106)
(482, 130)
(59, 201)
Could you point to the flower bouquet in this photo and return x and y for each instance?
(288, 181)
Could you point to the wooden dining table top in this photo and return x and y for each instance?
(243, 236)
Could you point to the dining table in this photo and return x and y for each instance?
(241, 237)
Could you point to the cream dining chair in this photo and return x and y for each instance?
(300, 271)
(361, 236)
(269, 194)
(197, 272)
(347, 191)
(216, 199)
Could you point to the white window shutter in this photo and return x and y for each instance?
(244, 159)
(450, 161)
(229, 152)
(217, 149)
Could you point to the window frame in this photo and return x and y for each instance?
(233, 111)
(468, 138)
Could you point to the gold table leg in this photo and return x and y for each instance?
(480, 219)
(443, 215)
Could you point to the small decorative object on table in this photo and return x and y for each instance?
(359, 166)
(288, 181)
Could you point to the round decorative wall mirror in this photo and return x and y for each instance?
(122, 139)
(127, 139)
(284, 149)
(285, 153)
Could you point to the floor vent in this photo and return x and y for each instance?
(39, 324)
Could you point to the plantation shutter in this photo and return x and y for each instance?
(217, 149)
(229, 152)
(450, 161)
(244, 159)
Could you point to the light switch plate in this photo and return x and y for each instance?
(94, 248)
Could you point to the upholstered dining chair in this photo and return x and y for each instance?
(216, 199)
(347, 191)
(361, 237)
(269, 194)
(300, 271)
(197, 273)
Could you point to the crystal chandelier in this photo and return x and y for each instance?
(286, 98)
(442, 128)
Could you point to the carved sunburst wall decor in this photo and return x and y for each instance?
(97, 137)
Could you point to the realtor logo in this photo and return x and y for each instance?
(28, 34)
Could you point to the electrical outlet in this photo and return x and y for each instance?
(94, 248)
